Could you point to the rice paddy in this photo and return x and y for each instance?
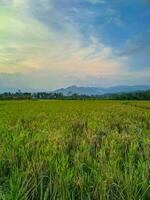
(72, 150)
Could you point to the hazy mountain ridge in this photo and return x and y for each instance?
(68, 91)
(100, 90)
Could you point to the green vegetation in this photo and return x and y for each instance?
(67, 150)
(141, 95)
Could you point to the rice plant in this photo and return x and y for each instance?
(68, 150)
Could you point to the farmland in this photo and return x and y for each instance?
(67, 150)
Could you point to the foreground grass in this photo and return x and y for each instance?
(90, 150)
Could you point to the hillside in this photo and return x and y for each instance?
(100, 90)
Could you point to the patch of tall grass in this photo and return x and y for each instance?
(68, 150)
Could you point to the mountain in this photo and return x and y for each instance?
(84, 90)
(100, 90)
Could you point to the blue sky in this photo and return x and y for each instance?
(55, 43)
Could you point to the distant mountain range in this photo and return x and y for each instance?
(100, 90)
(68, 91)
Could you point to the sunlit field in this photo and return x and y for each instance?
(72, 150)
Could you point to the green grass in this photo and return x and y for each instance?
(70, 150)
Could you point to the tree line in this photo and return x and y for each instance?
(144, 95)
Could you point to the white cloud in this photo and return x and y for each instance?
(29, 44)
(48, 58)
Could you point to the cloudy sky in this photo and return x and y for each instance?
(48, 44)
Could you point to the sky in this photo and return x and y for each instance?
(48, 44)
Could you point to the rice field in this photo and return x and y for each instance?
(74, 150)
